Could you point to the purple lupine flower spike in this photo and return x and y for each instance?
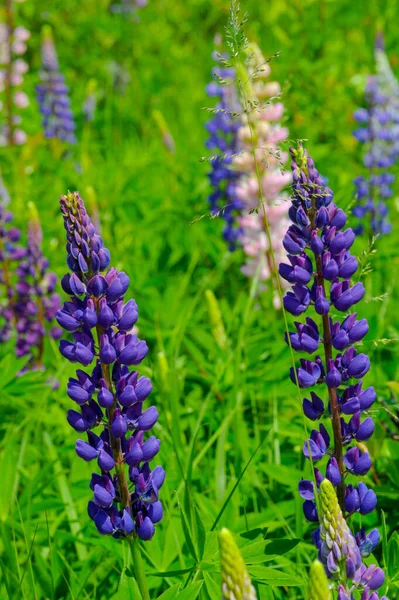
(379, 132)
(318, 239)
(52, 94)
(10, 254)
(223, 138)
(12, 70)
(35, 302)
(110, 394)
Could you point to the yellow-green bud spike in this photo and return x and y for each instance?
(236, 583)
(33, 215)
(47, 32)
(300, 158)
(338, 544)
(318, 583)
(35, 234)
(216, 319)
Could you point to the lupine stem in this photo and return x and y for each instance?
(332, 392)
(138, 566)
(115, 442)
(40, 318)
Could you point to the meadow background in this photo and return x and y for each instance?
(221, 387)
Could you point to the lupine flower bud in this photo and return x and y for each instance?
(318, 583)
(236, 583)
(111, 396)
(52, 94)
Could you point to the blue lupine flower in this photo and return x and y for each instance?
(29, 300)
(320, 270)
(379, 132)
(35, 301)
(223, 129)
(111, 395)
(10, 255)
(52, 95)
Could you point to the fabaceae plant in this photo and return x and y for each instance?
(261, 159)
(35, 301)
(236, 583)
(380, 135)
(52, 94)
(12, 70)
(110, 397)
(29, 301)
(320, 270)
(10, 255)
(223, 128)
(249, 166)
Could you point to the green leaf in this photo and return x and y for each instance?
(200, 533)
(171, 593)
(128, 588)
(66, 495)
(236, 485)
(174, 573)
(273, 576)
(188, 534)
(191, 591)
(252, 534)
(393, 555)
(281, 546)
(213, 589)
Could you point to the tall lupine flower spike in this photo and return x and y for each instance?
(318, 583)
(236, 583)
(261, 158)
(223, 139)
(320, 269)
(35, 299)
(10, 255)
(379, 132)
(111, 395)
(52, 94)
(12, 70)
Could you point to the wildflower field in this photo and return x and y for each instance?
(199, 279)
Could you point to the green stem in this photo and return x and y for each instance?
(138, 567)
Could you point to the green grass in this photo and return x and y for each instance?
(230, 420)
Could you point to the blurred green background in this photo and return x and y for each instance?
(218, 399)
